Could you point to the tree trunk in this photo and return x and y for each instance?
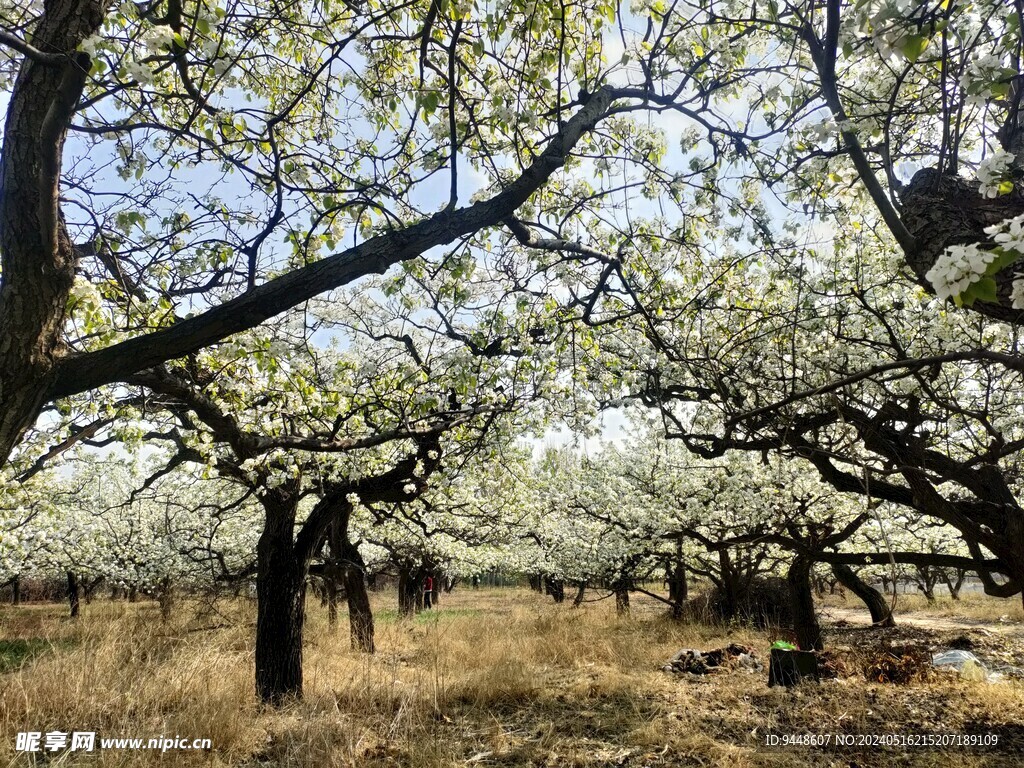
(926, 581)
(805, 620)
(622, 601)
(38, 258)
(555, 588)
(581, 590)
(729, 590)
(281, 599)
(881, 615)
(74, 597)
(678, 589)
(408, 591)
(166, 599)
(16, 590)
(954, 584)
(89, 588)
(819, 586)
(360, 615)
(331, 598)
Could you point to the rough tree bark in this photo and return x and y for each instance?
(621, 599)
(331, 599)
(729, 587)
(941, 210)
(38, 258)
(408, 591)
(281, 600)
(360, 615)
(166, 598)
(555, 588)
(581, 591)
(881, 615)
(74, 594)
(927, 577)
(805, 620)
(88, 589)
(954, 583)
(678, 589)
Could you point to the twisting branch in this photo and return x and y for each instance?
(80, 373)
(824, 56)
(25, 49)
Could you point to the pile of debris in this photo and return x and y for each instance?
(732, 656)
(899, 663)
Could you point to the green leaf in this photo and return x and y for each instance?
(912, 46)
(983, 290)
(1002, 261)
(430, 102)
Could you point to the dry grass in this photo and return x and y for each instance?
(974, 606)
(495, 678)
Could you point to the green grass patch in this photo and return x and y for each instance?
(15, 653)
(425, 617)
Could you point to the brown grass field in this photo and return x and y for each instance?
(498, 677)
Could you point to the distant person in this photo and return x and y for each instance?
(428, 591)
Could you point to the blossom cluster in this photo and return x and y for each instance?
(979, 78)
(957, 268)
(992, 173)
(1009, 235)
(960, 266)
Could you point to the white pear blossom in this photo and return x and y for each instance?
(158, 39)
(1008, 234)
(981, 73)
(90, 44)
(992, 172)
(1017, 292)
(139, 72)
(957, 268)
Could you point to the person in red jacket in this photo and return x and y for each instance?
(428, 591)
